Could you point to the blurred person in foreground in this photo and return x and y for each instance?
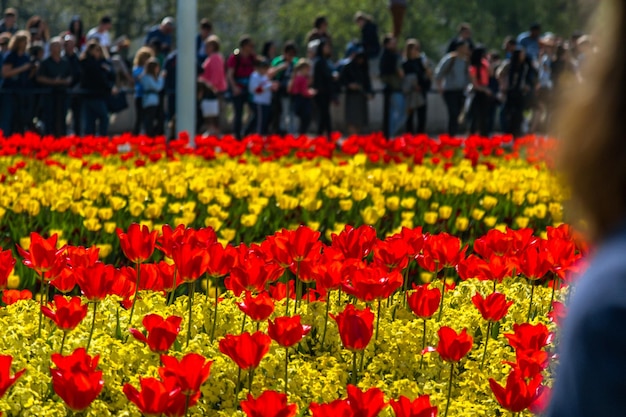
(590, 378)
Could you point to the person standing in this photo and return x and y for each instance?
(260, 88)
(18, 72)
(152, 84)
(97, 82)
(392, 74)
(530, 42)
(283, 68)
(76, 28)
(301, 94)
(369, 40)
(324, 79)
(141, 57)
(161, 35)
(55, 72)
(70, 53)
(319, 31)
(239, 67)
(482, 96)
(417, 83)
(516, 82)
(101, 32)
(214, 78)
(355, 78)
(206, 30)
(9, 23)
(452, 78)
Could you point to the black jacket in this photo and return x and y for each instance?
(97, 78)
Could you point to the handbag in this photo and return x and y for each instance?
(117, 102)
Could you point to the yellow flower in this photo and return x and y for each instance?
(426, 277)
(136, 208)
(25, 242)
(518, 197)
(359, 195)
(33, 207)
(540, 211)
(13, 281)
(461, 224)
(490, 221)
(370, 215)
(556, 211)
(228, 234)
(407, 215)
(531, 198)
(393, 203)
(105, 213)
(109, 227)
(117, 203)
(521, 222)
(430, 217)
(424, 193)
(93, 224)
(105, 250)
(153, 211)
(248, 220)
(408, 203)
(478, 214)
(489, 202)
(213, 223)
(501, 227)
(345, 205)
(445, 212)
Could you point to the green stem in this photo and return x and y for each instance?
(530, 304)
(325, 322)
(237, 386)
(555, 283)
(354, 368)
(377, 320)
(170, 300)
(286, 368)
(214, 326)
(449, 389)
(298, 288)
(250, 378)
(443, 296)
(243, 323)
(339, 297)
(187, 404)
(190, 289)
(93, 325)
(495, 283)
(44, 289)
(132, 309)
(423, 343)
(207, 287)
(63, 342)
(287, 296)
(487, 337)
(405, 284)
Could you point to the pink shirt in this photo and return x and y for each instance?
(300, 86)
(483, 80)
(214, 72)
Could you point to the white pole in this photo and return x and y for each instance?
(186, 22)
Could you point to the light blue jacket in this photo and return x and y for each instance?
(151, 89)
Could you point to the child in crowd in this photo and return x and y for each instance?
(261, 88)
(152, 84)
(301, 94)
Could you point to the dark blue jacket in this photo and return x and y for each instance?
(591, 377)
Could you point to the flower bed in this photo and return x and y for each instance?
(447, 303)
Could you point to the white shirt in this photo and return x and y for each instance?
(103, 37)
(260, 87)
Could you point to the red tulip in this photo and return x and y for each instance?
(414, 238)
(540, 405)
(246, 350)
(453, 347)
(155, 396)
(252, 275)
(530, 363)
(6, 380)
(494, 307)
(221, 259)
(191, 261)
(355, 243)
(268, 404)
(7, 262)
(169, 237)
(124, 285)
(368, 283)
(137, 242)
(328, 274)
(518, 394)
(161, 332)
(65, 280)
(79, 256)
(66, 314)
(392, 253)
(190, 372)
(424, 302)
(96, 282)
(258, 308)
(42, 254)
(355, 327)
(420, 407)
(337, 408)
(493, 243)
(13, 296)
(365, 404)
(534, 261)
(287, 331)
(75, 378)
(441, 251)
(278, 291)
(531, 337)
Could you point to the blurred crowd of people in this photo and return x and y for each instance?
(278, 89)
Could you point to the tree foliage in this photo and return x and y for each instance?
(432, 21)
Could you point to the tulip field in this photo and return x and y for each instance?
(281, 276)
